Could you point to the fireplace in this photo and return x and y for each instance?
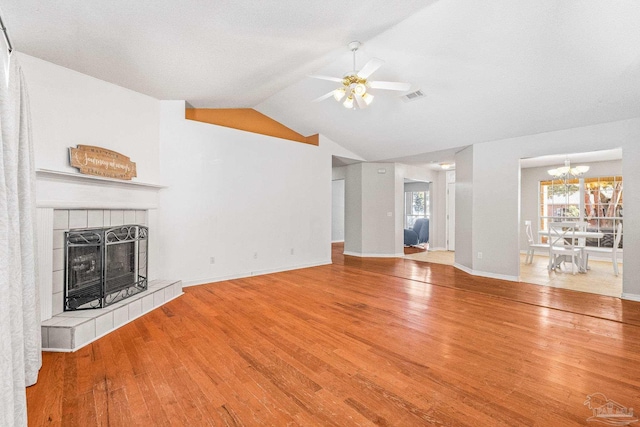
(104, 265)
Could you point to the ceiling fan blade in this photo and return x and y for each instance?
(403, 87)
(370, 67)
(360, 102)
(323, 97)
(331, 79)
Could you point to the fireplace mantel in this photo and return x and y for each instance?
(65, 190)
(76, 177)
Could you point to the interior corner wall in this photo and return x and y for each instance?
(238, 203)
(4, 60)
(339, 172)
(353, 209)
(438, 223)
(337, 210)
(371, 220)
(398, 211)
(495, 176)
(70, 108)
(464, 215)
(631, 177)
(379, 228)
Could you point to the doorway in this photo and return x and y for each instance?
(593, 197)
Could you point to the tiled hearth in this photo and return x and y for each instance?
(71, 330)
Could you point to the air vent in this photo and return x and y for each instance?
(412, 96)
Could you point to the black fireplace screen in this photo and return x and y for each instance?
(104, 265)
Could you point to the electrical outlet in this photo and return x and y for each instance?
(479, 255)
(212, 260)
(255, 255)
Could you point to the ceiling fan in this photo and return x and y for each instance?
(355, 85)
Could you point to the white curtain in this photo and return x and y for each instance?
(20, 343)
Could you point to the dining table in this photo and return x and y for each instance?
(583, 266)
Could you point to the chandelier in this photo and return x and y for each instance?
(566, 171)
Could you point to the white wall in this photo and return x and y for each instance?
(371, 212)
(247, 200)
(4, 58)
(337, 210)
(353, 209)
(438, 194)
(69, 108)
(496, 219)
(339, 172)
(416, 186)
(530, 183)
(379, 209)
(464, 208)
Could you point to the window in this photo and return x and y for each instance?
(416, 205)
(597, 201)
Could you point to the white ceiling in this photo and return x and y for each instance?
(490, 70)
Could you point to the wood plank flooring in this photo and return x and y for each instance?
(360, 342)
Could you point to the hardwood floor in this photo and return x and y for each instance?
(359, 342)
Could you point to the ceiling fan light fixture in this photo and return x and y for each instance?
(354, 92)
(348, 103)
(360, 89)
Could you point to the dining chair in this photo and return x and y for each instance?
(532, 245)
(582, 244)
(563, 245)
(613, 251)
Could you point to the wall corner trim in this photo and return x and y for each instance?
(367, 255)
(630, 297)
(486, 273)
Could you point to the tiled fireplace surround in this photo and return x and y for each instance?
(69, 331)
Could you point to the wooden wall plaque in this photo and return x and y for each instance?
(101, 162)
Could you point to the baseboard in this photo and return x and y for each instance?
(630, 297)
(486, 274)
(434, 249)
(367, 255)
(337, 241)
(197, 282)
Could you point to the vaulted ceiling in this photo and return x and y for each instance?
(490, 70)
